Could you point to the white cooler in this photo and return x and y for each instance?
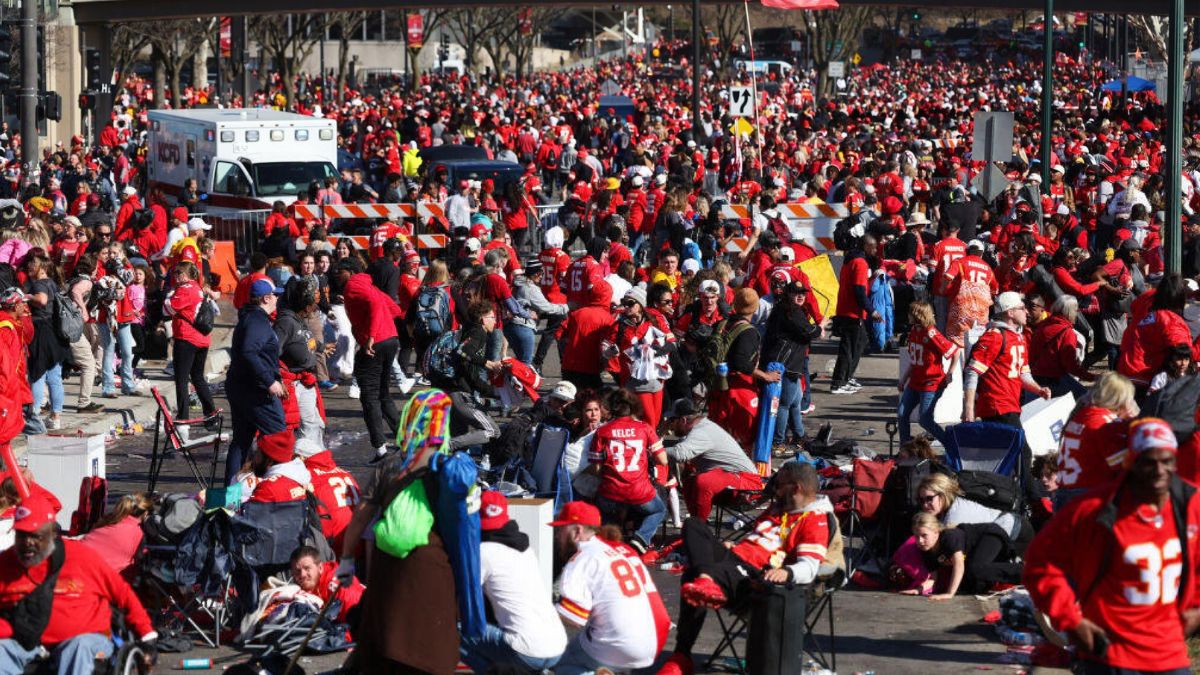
(60, 463)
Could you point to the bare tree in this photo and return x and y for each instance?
(127, 44)
(433, 20)
(347, 25)
(518, 38)
(728, 24)
(287, 40)
(1153, 32)
(172, 44)
(478, 29)
(833, 35)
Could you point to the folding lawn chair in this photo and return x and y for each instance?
(986, 446)
(168, 429)
(867, 480)
(737, 506)
(544, 471)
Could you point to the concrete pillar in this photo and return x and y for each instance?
(64, 74)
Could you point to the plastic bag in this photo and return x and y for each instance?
(406, 522)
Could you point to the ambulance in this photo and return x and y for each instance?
(243, 159)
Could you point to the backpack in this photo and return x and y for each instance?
(551, 159)
(68, 320)
(430, 312)
(716, 348)
(175, 513)
(848, 231)
(206, 317)
(991, 489)
(440, 361)
(900, 489)
(1177, 404)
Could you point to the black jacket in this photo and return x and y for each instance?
(254, 355)
(472, 354)
(788, 336)
(294, 340)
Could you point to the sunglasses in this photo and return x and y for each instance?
(104, 234)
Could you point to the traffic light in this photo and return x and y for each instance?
(49, 106)
(6, 54)
(916, 15)
(91, 59)
(87, 101)
(444, 47)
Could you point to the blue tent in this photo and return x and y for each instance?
(1134, 84)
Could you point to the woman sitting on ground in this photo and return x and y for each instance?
(940, 496)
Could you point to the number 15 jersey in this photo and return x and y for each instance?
(999, 358)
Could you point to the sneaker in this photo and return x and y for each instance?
(636, 544)
(169, 371)
(92, 407)
(423, 381)
(854, 383)
(327, 385)
(844, 390)
(703, 592)
(380, 453)
(678, 664)
(54, 423)
(407, 385)
(809, 410)
(353, 391)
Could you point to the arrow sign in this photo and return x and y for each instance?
(991, 182)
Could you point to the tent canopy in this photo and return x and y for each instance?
(1134, 84)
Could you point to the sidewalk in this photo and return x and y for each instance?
(140, 409)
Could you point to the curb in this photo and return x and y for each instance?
(142, 409)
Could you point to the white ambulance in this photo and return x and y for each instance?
(243, 159)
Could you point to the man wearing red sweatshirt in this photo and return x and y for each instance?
(581, 336)
(372, 317)
(58, 593)
(1116, 568)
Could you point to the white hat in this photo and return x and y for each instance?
(660, 179)
(1009, 300)
(198, 224)
(307, 447)
(1057, 168)
(710, 287)
(636, 181)
(473, 245)
(564, 391)
(690, 266)
(976, 244)
(1035, 177)
(787, 253)
(1063, 210)
(129, 191)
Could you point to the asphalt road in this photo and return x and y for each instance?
(876, 631)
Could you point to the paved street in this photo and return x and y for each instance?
(876, 631)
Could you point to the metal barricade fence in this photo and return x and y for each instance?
(547, 218)
(243, 228)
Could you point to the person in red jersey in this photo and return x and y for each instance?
(282, 476)
(921, 384)
(853, 310)
(583, 274)
(971, 287)
(622, 452)
(789, 544)
(1093, 441)
(334, 487)
(319, 578)
(58, 593)
(580, 338)
(945, 253)
(1148, 339)
(1116, 570)
(999, 367)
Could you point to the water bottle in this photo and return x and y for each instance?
(195, 664)
(485, 463)
(722, 376)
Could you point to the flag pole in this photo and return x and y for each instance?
(762, 164)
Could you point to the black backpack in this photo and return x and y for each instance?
(991, 489)
(1177, 404)
(206, 317)
(848, 231)
(900, 490)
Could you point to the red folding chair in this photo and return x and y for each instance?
(167, 429)
(867, 478)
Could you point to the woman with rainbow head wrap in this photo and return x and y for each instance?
(422, 504)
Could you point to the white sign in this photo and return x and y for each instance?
(797, 46)
(916, 55)
(1043, 420)
(741, 101)
(837, 69)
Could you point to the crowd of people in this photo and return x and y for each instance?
(628, 324)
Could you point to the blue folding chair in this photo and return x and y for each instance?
(985, 446)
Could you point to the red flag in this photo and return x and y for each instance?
(801, 4)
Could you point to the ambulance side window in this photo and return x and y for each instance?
(228, 179)
(191, 153)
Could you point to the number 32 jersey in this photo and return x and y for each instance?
(608, 591)
(623, 448)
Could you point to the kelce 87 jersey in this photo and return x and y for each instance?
(612, 594)
(624, 448)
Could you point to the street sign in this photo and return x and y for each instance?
(610, 88)
(856, 59)
(993, 137)
(740, 126)
(916, 55)
(837, 69)
(741, 101)
(797, 46)
(991, 182)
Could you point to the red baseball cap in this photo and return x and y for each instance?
(180, 213)
(577, 513)
(493, 510)
(279, 447)
(38, 509)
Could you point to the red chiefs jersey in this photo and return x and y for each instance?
(758, 272)
(1092, 448)
(780, 538)
(945, 253)
(1135, 599)
(336, 490)
(277, 488)
(999, 358)
(624, 448)
(581, 276)
(388, 230)
(406, 291)
(554, 271)
(927, 351)
(971, 269)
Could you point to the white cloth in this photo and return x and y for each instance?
(342, 364)
(521, 601)
(312, 427)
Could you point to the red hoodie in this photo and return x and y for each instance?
(584, 330)
(372, 313)
(1144, 345)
